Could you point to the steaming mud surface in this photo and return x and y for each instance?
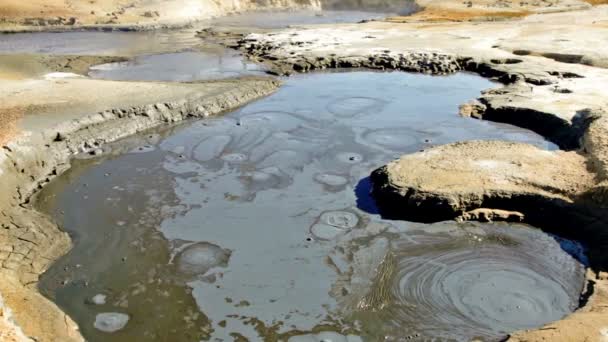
(259, 225)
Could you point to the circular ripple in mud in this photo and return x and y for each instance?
(460, 285)
(331, 181)
(340, 219)
(282, 121)
(394, 139)
(234, 158)
(211, 148)
(200, 257)
(353, 106)
(331, 224)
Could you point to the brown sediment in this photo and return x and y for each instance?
(379, 296)
(447, 15)
(8, 123)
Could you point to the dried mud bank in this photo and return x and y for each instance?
(521, 101)
(20, 66)
(29, 241)
(564, 192)
(130, 15)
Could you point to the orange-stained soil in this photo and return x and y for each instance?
(439, 15)
(8, 123)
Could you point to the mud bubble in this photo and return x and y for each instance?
(199, 258)
(111, 321)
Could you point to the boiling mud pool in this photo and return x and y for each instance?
(259, 225)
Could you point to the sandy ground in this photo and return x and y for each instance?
(18, 68)
(8, 331)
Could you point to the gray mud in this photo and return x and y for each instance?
(209, 64)
(259, 224)
(459, 282)
(99, 43)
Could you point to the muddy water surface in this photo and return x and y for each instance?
(259, 225)
(208, 64)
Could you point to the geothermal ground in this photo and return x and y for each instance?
(188, 181)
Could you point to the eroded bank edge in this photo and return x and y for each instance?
(30, 240)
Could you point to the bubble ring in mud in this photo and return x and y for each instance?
(332, 224)
(331, 180)
(110, 322)
(352, 106)
(393, 139)
(198, 258)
